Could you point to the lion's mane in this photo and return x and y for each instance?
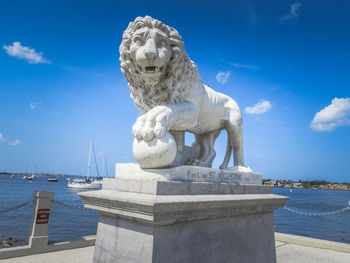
(180, 74)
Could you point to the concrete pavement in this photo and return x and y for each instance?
(78, 255)
(289, 249)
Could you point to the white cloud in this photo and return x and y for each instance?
(27, 53)
(223, 77)
(334, 115)
(293, 13)
(13, 143)
(245, 66)
(34, 105)
(261, 107)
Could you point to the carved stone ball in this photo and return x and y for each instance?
(156, 153)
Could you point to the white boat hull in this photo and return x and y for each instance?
(84, 185)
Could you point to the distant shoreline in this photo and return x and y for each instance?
(40, 174)
(315, 184)
(314, 188)
(268, 182)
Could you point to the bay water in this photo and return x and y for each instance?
(70, 224)
(65, 223)
(333, 227)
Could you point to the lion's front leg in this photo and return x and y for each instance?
(152, 124)
(160, 119)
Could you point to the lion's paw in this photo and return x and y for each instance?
(159, 130)
(136, 130)
(147, 130)
(147, 133)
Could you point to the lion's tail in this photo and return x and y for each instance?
(227, 154)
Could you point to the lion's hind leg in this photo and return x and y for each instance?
(206, 141)
(227, 154)
(235, 139)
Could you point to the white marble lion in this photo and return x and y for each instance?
(166, 87)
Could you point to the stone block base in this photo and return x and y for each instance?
(132, 171)
(181, 221)
(241, 239)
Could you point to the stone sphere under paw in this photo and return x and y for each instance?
(156, 153)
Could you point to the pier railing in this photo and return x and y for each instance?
(38, 238)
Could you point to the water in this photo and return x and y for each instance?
(65, 223)
(335, 227)
(70, 224)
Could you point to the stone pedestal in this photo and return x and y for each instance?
(154, 219)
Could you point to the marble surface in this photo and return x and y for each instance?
(187, 173)
(145, 227)
(243, 239)
(156, 153)
(166, 87)
(164, 215)
(181, 187)
(170, 209)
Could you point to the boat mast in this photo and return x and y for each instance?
(93, 149)
(56, 168)
(106, 166)
(89, 162)
(103, 164)
(53, 170)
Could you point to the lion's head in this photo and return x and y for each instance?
(155, 64)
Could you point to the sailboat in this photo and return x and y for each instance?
(25, 174)
(33, 175)
(54, 177)
(87, 183)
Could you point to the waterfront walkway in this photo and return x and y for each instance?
(289, 249)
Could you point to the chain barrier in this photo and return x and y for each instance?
(316, 214)
(76, 207)
(81, 208)
(16, 207)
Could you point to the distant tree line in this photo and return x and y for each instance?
(306, 184)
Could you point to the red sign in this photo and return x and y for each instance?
(43, 216)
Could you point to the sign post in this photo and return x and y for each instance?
(40, 218)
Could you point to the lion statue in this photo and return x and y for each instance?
(166, 87)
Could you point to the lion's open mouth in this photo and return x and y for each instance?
(151, 69)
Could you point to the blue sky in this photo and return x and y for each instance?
(286, 63)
